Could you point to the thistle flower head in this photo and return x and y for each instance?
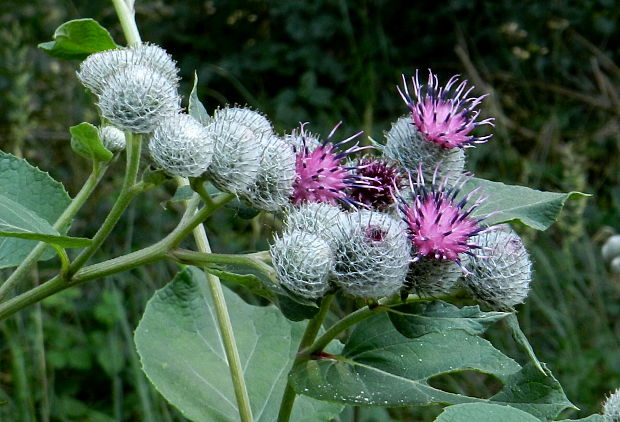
(501, 270)
(137, 97)
(273, 186)
(303, 262)
(382, 179)
(445, 115)
(439, 226)
(431, 277)
(406, 145)
(313, 217)
(113, 139)
(253, 120)
(321, 173)
(98, 67)
(371, 253)
(181, 145)
(236, 157)
(611, 407)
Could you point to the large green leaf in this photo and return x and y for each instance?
(77, 39)
(86, 142)
(192, 372)
(417, 319)
(484, 412)
(534, 208)
(35, 191)
(380, 367)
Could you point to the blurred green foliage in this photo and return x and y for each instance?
(553, 74)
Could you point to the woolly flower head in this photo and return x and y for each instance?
(445, 115)
(501, 270)
(371, 254)
(439, 227)
(611, 408)
(321, 173)
(98, 67)
(273, 186)
(382, 179)
(313, 217)
(247, 117)
(303, 262)
(181, 146)
(236, 158)
(432, 277)
(137, 97)
(113, 139)
(408, 146)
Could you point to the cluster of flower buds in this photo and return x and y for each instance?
(611, 407)
(353, 223)
(421, 236)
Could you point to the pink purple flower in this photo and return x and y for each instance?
(322, 175)
(440, 226)
(382, 179)
(445, 115)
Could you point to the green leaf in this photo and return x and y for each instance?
(519, 337)
(591, 418)
(380, 367)
(195, 108)
(19, 222)
(85, 141)
(77, 39)
(531, 207)
(35, 191)
(192, 372)
(242, 209)
(484, 412)
(154, 177)
(420, 318)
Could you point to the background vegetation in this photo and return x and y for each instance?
(553, 72)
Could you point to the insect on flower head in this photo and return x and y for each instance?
(445, 115)
(439, 226)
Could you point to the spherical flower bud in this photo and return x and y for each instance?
(113, 139)
(501, 270)
(313, 217)
(254, 120)
(611, 248)
(137, 97)
(440, 226)
(236, 157)
(406, 145)
(273, 186)
(445, 115)
(301, 139)
(371, 254)
(432, 277)
(95, 71)
(303, 262)
(611, 407)
(382, 180)
(321, 174)
(181, 146)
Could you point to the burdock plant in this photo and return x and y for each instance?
(378, 258)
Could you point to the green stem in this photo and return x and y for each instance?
(346, 322)
(153, 253)
(127, 193)
(252, 260)
(126, 16)
(312, 329)
(61, 223)
(226, 330)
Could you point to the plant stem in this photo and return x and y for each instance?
(312, 329)
(226, 330)
(61, 223)
(127, 193)
(126, 16)
(155, 252)
(251, 260)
